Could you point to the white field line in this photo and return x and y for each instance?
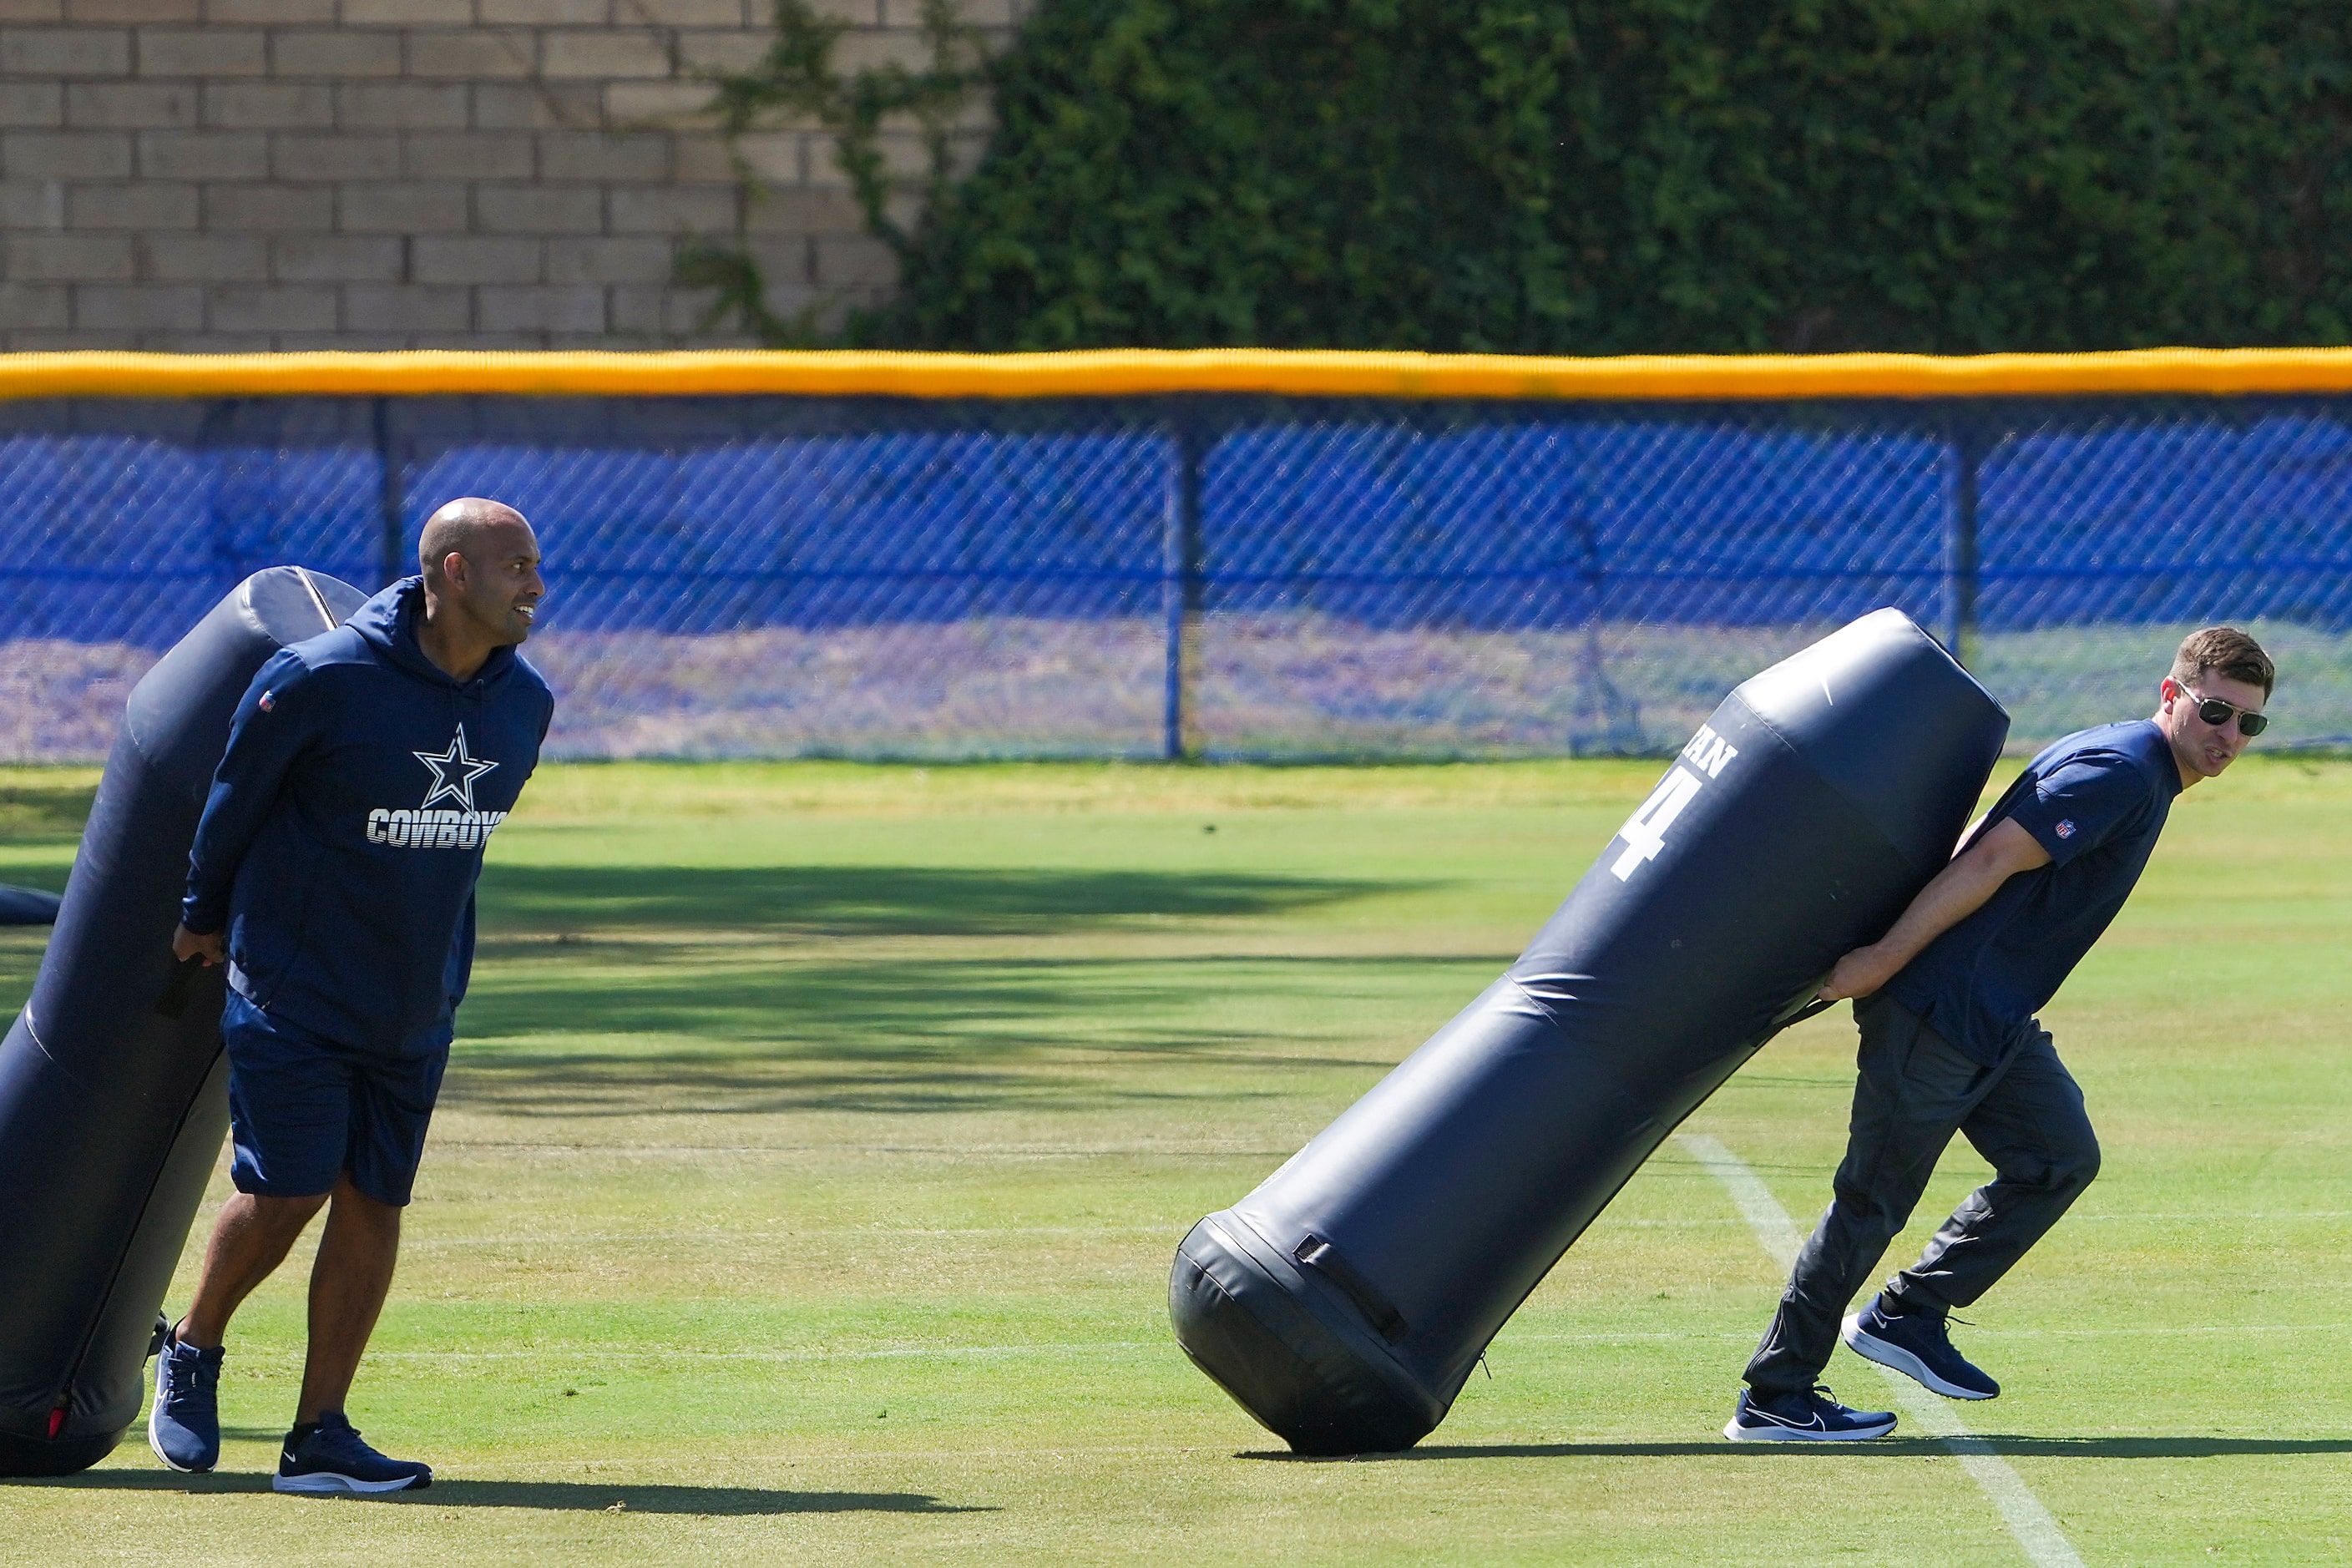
(876, 1150)
(2218, 1330)
(568, 1355)
(678, 1236)
(2207, 1215)
(2045, 1544)
(674, 1237)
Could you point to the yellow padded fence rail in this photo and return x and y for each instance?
(1143, 372)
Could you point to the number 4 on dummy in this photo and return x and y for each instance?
(1644, 832)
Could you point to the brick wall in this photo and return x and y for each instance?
(237, 174)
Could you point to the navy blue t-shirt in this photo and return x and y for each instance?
(2096, 801)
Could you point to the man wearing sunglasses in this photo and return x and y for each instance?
(1945, 1002)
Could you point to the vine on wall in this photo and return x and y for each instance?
(1594, 176)
(796, 78)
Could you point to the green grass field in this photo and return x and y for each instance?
(819, 1136)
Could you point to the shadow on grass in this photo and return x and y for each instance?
(716, 1031)
(2017, 1446)
(580, 1497)
(673, 1016)
(882, 901)
(560, 1086)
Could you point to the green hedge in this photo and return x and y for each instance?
(1600, 176)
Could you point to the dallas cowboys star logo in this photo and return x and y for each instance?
(454, 773)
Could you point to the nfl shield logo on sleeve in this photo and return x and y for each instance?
(2067, 830)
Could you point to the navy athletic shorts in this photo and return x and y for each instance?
(303, 1110)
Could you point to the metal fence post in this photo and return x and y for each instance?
(1179, 571)
(391, 539)
(219, 417)
(1966, 432)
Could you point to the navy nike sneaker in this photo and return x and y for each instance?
(1811, 1416)
(184, 1426)
(1919, 1346)
(330, 1457)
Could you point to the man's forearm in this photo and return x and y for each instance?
(1961, 888)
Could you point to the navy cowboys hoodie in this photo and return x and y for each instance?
(345, 826)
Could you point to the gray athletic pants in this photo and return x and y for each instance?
(1913, 1090)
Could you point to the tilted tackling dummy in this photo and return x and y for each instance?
(1344, 1301)
(112, 1092)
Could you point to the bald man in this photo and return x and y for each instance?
(333, 871)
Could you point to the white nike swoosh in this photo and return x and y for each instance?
(1816, 1424)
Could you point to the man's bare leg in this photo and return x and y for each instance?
(249, 1240)
(348, 1284)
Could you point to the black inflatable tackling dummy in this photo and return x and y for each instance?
(113, 1090)
(26, 906)
(1345, 1299)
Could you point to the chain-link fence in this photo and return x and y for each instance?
(774, 576)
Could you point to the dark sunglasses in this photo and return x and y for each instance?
(2216, 712)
